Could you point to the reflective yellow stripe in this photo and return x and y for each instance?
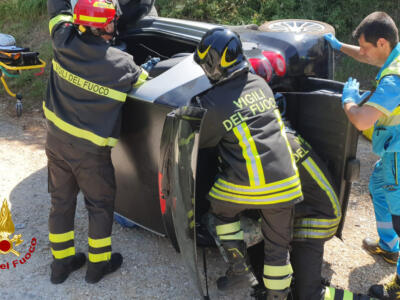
(258, 200)
(88, 85)
(58, 19)
(250, 154)
(270, 188)
(316, 173)
(277, 284)
(347, 295)
(60, 254)
(230, 237)
(99, 243)
(317, 223)
(278, 270)
(142, 79)
(315, 234)
(78, 132)
(392, 119)
(254, 151)
(228, 228)
(61, 237)
(91, 19)
(95, 258)
(329, 293)
(283, 133)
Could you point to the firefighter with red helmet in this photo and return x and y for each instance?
(256, 170)
(87, 88)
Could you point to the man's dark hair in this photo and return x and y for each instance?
(375, 26)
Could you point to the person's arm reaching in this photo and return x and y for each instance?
(350, 50)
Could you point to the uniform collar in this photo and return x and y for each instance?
(395, 52)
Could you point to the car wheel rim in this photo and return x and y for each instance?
(296, 26)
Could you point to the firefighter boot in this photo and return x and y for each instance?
(96, 271)
(239, 273)
(387, 291)
(277, 294)
(372, 246)
(61, 268)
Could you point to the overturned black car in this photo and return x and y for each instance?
(162, 177)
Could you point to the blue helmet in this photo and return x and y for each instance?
(220, 54)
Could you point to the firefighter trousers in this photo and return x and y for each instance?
(71, 170)
(276, 227)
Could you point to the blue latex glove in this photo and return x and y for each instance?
(351, 92)
(148, 65)
(335, 44)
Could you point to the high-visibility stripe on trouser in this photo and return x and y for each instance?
(62, 244)
(277, 277)
(99, 249)
(333, 294)
(388, 238)
(230, 231)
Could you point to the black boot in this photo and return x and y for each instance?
(61, 268)
(388, 291)
(96, 271)
(239, 273)
(277, 294)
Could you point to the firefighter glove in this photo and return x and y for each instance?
(335, 44)
(351, 92)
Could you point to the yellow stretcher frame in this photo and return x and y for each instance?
(5, 67)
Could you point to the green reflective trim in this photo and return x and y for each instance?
(392, 69)
(347, 295)
(278, 271)
(329, 293)
(272, 187)
(317, 223)
(283, 133)
(317, 174)
(247, 156)
(95, 258)
(58, 19)
(88, 85)
(285, 196)
(230, 237)
(228, 228)
(190, 213)
(277, 284)
(142, 79)
(315, 234)
(61, 237)
(60, 254)
(8, 74)
(78, 132)
(99, 243)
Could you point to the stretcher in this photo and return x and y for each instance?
(14, 60)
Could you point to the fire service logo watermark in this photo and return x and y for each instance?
(6, 244)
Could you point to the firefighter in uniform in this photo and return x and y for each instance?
(316, 221)
(87, 87)
(257, 169)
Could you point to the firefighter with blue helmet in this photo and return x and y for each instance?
(256, 170)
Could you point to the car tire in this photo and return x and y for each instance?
(297, 26)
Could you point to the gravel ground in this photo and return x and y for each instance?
(152, 269)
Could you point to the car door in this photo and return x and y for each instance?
(177, 182)
(316, 113)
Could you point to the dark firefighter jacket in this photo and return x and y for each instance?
(318, 216)
(257, 169)
(88, 83)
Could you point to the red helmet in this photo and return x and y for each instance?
(94, 13)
